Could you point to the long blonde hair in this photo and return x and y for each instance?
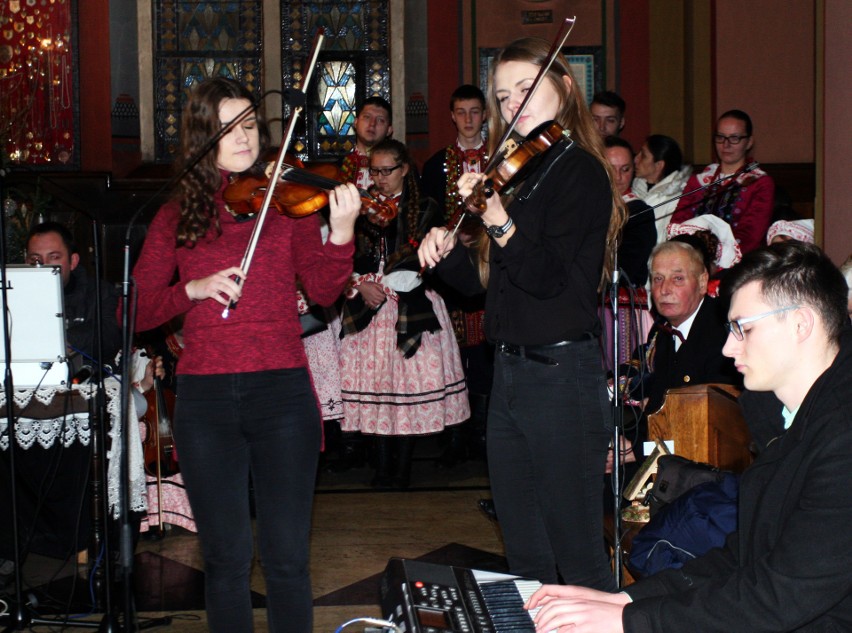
(573, 115)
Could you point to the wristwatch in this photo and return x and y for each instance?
(499, 231)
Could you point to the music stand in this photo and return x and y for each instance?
(33, 347)
(37, 326)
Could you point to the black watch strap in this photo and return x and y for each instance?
(499, 231)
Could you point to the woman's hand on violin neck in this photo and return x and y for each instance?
(344, 202)
(435, 246)
(494, 213)
(153, 368)
(159, 369)
(219, 286)
(467, 182)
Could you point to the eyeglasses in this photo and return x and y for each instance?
(736, 327)
(733, 139)
(384, 171)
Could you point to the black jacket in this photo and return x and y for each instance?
(788, 567)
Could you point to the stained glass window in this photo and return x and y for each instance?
(195, 41)
(336, 91)
(353, 65)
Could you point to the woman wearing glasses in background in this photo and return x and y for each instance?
(745, 199)
(401, 372)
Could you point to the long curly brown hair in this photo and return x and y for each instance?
(199, 123)
(573, 115)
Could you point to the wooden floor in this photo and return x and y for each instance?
(354, 535)
(355, 531)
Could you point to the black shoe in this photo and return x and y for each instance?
(402, 465)
(384, 462)
(351, 456)
(487, 507)
(456, 449)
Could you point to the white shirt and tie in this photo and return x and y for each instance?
(684, 328)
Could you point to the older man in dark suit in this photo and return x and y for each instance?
(685, 346)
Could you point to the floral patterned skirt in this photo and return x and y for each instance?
(323, 352)
(387, 394)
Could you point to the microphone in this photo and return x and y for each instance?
(293, 97)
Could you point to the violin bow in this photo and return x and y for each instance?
(742, 170)
(279, 168)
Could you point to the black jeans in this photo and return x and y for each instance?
(548, 433)
(266, 423)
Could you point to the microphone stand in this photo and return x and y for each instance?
(617, 430)
(100, 440)
(617, 404)
(21, 619)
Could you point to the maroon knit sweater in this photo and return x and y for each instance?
(263, 332)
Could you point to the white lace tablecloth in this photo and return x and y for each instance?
(75, 427)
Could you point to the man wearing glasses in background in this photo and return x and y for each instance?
(745, 198)
(788, 566)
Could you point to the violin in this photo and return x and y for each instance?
(302, 190)
(514, 165)
(159, 444)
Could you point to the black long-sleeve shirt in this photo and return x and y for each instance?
(542, 285)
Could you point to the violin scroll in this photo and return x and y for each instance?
(379, 212)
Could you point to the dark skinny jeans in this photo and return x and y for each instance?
(548, 433)
(267, 424)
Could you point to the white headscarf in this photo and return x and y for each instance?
(728, 252)
(801, 230)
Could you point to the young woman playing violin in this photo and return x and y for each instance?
(401, 372)
(246, 403)
(541, 263)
